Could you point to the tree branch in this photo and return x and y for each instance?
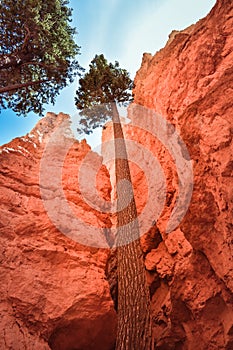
(40, 64)
(22, 85)
(26, 39)
(19, 56)
(14, 59)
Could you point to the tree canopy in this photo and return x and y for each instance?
(105, 83)
(38, 53)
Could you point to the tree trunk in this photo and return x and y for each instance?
(134, 323)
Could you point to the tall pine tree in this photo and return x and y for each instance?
(101, 89)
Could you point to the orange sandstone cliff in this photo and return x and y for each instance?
(54, 293)
(190, 83)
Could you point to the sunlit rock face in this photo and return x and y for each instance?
(54, 293)
(189, 84)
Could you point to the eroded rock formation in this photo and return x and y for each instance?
(54, 293)
(190, 83)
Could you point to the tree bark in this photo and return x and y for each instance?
(134, 322)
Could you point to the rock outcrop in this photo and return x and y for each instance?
(190, 84)
(54, 293)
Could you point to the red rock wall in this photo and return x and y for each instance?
(190, 84)
(54, 293)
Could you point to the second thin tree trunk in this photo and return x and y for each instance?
(134, 323)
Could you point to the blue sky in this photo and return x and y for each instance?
(120, 29)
